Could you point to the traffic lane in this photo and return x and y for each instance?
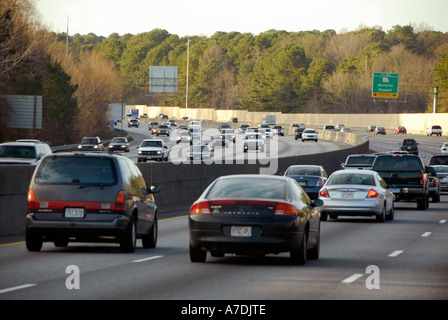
(348, 247)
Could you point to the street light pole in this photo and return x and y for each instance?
(188, 71)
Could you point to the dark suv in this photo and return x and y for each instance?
(409, 145)
(406, 176)
(90, 198)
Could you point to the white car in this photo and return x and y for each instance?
(229, 134)
(253, 141)
(309, 134)
(442, 173)
(357, 193)
(184, 136)
(219, 141)
(269, 133)
(444, 148)
(200, 152)
(153, 149)
(21, 152)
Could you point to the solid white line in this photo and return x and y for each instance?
(352, 278)
(396, 253)
(147, 259)
(426, 234)
(442, 221)
(18, 288)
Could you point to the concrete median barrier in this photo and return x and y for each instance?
(180, 184)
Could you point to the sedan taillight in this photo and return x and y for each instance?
(284, 209)
(372, 194)
(202, 207)
(324, 193)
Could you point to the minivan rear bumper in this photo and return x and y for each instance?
(78, 228)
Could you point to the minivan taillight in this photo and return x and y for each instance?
(202, 207)
(119, 201)
(31, 199)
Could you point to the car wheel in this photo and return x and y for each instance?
(381, 217)
(33, 241)
(150, 240)
(128, 241)
(298, 253)
(197, 254)
(421, 204)
(391, 214)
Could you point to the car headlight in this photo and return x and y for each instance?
(139, 152)
(159, 152)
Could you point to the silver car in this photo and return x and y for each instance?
(356, 193)
(442, 172)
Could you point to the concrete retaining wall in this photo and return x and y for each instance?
(414, 122)
(180, 184)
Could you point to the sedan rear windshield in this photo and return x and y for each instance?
(303, 171)
(77, 170)
(350, 178)
(248, 189)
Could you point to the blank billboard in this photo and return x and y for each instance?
(26, 111)
(162, 79)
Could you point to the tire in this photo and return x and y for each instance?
(33, 241)
(298, 253)
(128, 240)
(150, 240)
(382, 217)
(197, 254)
(421, 204)
(391, 214)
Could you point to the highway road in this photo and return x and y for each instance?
(406, 258)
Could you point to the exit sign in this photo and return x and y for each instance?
(385, 85)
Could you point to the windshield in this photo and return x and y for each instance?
(118, 140)
(150, 143)
(350, 178)
(240, 188)
(27, 152)
(253, 137)
(89, 141)
(303, 171)
(77, 170)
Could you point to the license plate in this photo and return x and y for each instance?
(302, 183)
(241, 231)
(347, 194)
(76, 213)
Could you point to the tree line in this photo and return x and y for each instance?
(291, 72)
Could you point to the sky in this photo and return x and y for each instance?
(206, 17)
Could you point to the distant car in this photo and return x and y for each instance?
(91, 144)
(438, 159)
(444, 148)
(253, 141)
(400, 129)
(243, 127)
(278, 130)
(133, 123)
(153, 149)
(442, 173)
(329, 128)
(172, 123)
(298, 133)
(90, 197)
(195, 132)
(437, 130)
(269, 133)
(346, 129)
(310, 177)
(219, 140)
(410, 146)
(356, 193)
(153, 125)
(223, 126)
(23, 152)
(234, 120)
(184, 136)
(371, 128)
(119, 143)
(359, 161)
(339, 127)
(433, 184)
(200, 152)
(379, 130)
(254, 214)
(163, 129)
(264, 126)
(310, 134)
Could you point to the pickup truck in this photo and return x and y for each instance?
(437, 130)
(406, 177)
(153, 149)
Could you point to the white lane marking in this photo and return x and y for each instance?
(442, 221)
(352, 278)
(24, 286)
(426, 234)
(396, 253)
(147, 259)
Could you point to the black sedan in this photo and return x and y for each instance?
(253, 215)
(310, 177)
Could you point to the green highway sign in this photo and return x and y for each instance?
(385, 85)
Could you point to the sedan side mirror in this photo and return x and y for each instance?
(317, 203)
(154, 189)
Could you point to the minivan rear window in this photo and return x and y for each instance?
(77, 170)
